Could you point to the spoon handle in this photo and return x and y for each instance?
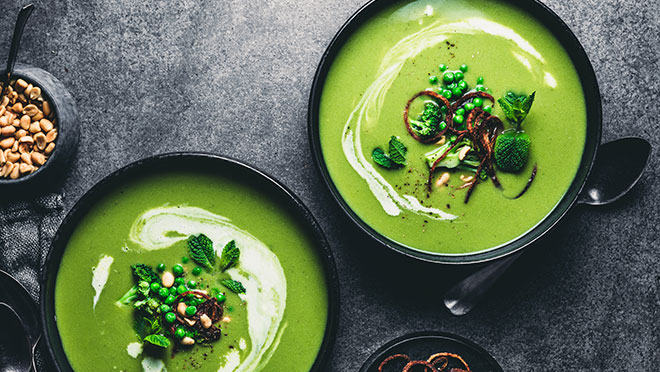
(462, 297)
(23, 16)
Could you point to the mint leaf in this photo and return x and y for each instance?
(201, 250)
(233, 285)
(379, 156)
(516, 107)
(230, 256)
(158, 340)
(397, 151)
(527, 103)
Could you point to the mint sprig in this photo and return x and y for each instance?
(201, 250)
(516, 107)
(230, 256)
(233, 285)
(396, 157)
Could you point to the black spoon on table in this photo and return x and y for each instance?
(14, 295)
(618, 166)
(15, 353)
(23, 16)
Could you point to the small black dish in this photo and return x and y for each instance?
(591, 92)
(184, 161)
(421, 345)
(66, 116)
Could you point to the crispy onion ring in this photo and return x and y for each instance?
(391, 358)
(449, 116)
(413, 363)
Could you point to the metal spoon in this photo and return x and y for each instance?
(23, 16)
(15, 354)
(618, 166)
(17, 297)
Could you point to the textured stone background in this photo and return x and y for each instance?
(160, 76)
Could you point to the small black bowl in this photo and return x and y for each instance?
(185, 161)
(421, 345)
(591, 92)
(66, 116)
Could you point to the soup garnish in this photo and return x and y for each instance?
(437, 362)
(168, 308)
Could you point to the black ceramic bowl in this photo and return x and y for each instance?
(184, 161)
(594, 122)
(421, 345)
(66, 115)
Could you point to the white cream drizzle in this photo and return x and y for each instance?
(259, 270)
(134, 349)
(367, 111)
(100, 275)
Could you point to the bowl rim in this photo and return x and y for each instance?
(428, 334)
(23, 71)
(591, 93)
(53, 258)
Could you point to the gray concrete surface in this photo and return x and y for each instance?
(160, 76)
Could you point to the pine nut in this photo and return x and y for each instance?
(187, 341)
(181, 308)
(38, 116)
(21, 132)
(40, 140)
(51, 136)
(15, 172)
(26, 158)
(35, 127)
(46, 108)
(206, 321)
(441, 141)
(17, 107)
(168, 277)
(6, 169)
(26, 139)
(49, 148)
(34, 93)
(25, 168)
(13, 156)
(465, 178)
(31, 110)
(7, 142)
(444, 178)
(8, 131)
(463, 152)
(4, 121)
(46, 125)
(28, 90)
(38, 158)
(21, 84)
(190, 322)
(14, 147)
(25, 122)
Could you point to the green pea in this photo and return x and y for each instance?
(433, 79)
(191, 310)
(443, 125)
(457, 92)
(155, 286)
(173, 291)
(480, 80)
(170, 300)
(170, 317)
(478, 102)
(446, 93)
(452, 139)
(443, 109)
(185, 259)
(488, 109)
(458, 76)
(192, 284)
(451, 86)
(480, 88)
(464, 68)
(180, 289)
(469, 106)
(178, 281)
(196, 271)
(221, 297)
(442, 67)
(165, 309)
(460, 111)
(448, 77)
(463, 85)
(177, 269)
(180, 333)
(458, 119)
(163, 292)
(160, 267)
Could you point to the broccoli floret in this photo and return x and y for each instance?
(512, 150)
(143, 272)
(428, 122)
(140, 290)
(451, 160)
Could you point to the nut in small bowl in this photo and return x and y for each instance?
(38, 126)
